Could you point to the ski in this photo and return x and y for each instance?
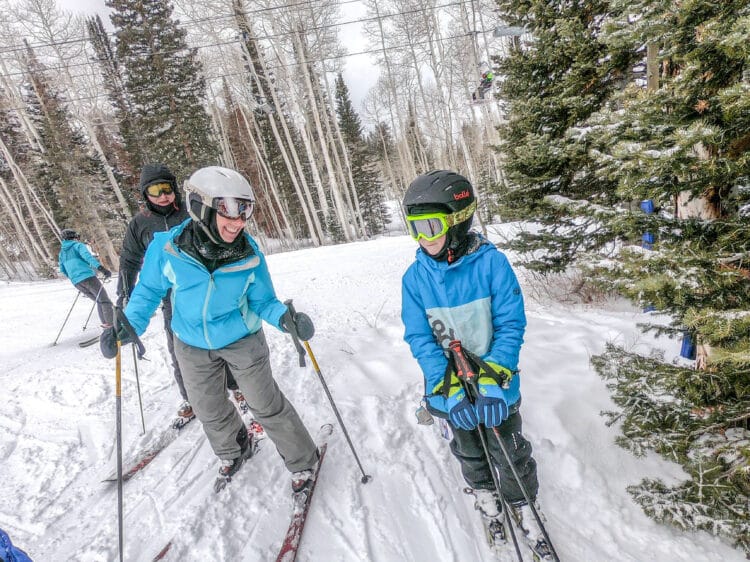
(88, 342)
(494, 532)
(144, 457)
(539, 549)
(302, 501)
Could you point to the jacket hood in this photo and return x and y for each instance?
(158, 173)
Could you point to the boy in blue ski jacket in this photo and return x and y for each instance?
(78, 265)
(462, 289)
(221, 290)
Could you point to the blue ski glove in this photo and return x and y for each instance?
(460, 411)
(491, 405)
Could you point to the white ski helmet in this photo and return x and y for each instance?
(216, 188)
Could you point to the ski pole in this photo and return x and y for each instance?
(365, 477)
(525, 493)
(75, 300)
(506, 508)
(96, 301)
(468, 378)
(118, 416)
(138, 388)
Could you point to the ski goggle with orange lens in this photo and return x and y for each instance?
(233, 208)
(431, 226)
(156, 189)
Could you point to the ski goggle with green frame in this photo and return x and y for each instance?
(431, 226)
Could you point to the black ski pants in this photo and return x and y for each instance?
(167, 315)
(467, 448)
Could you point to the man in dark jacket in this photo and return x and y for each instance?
(163, 210)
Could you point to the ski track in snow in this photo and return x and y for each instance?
(57, 436)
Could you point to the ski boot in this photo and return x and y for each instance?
(532, 533)
(302, 479)
(241, 402)
(229, 467)
(487, 503)
(184, 415)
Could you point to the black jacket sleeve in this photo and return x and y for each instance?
(131, 260)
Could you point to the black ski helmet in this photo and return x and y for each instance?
(438, 191)
(443, 191)
(69, 234)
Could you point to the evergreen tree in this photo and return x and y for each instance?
(362, 161)
(550, 86)
(688, 137)
(128, 144)
(69, 177)
(163, 79)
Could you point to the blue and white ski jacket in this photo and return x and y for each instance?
(476, 300)
(76, 262)
(209, 310)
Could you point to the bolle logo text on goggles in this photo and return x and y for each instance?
(463, 195)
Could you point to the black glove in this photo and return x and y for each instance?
(108, 341)
(106, 272)
(301, 324)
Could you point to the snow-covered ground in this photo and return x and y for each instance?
(57, 420)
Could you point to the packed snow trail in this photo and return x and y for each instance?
(57, 433)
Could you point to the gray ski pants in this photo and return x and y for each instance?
(166, 309)
(203, 372)
(92, 288)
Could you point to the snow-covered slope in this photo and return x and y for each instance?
(57, 435)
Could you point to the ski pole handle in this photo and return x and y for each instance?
(125, 323)
(463, 368)
(293, 332)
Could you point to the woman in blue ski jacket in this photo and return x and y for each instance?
(221, 290)
(463, 313)
(78, 265)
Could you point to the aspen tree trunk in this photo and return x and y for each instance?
(444, 105)
(407, 164)
(285, 230)
(335, 192)
(342, 147)
(227, 158)
(307, 139)
(36, 255)
(46, 252)
(29, 130)
(311, 218)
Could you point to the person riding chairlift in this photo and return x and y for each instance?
(484, 85)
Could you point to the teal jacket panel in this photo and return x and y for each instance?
(209, 310)
(76, 262)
